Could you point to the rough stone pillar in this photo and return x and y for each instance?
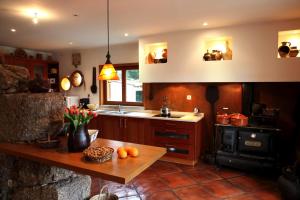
(27, 117)
(22, 179)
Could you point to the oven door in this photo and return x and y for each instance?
(229, 139)
(254, 142)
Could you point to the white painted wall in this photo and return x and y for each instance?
(126, 53)
(254, 56)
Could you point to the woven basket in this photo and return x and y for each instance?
(105, 195)
(98, 158)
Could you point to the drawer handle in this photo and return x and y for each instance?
(170, 130)
(170, 147)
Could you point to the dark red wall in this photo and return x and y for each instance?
(230, 96)
(286, 97)
(278, 95)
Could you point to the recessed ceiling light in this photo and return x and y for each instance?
(70, 43)
(126, 34)
(205, 24)
(13, 30)
(35, 19)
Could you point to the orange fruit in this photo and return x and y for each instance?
(133, 151)
(121, 149)
(122, 153)
(128, 149)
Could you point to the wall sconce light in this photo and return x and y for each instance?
(65, 84)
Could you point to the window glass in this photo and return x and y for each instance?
(134, 88)
(114, 88)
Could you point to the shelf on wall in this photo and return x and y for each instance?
(219, 48)
(291, 39)
(156, 53)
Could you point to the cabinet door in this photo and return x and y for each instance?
(39, 69)
(110, 127)
(134, 130)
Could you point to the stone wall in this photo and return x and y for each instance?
(28, 116)
(22, 179)
(13, 79)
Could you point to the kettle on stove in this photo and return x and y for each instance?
(165, 111)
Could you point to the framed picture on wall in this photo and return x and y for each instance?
(76, 59)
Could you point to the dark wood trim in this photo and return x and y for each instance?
(123, 67)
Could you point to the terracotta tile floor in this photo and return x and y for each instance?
(168, 181)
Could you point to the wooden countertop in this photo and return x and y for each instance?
(149, 114)
(117, 170)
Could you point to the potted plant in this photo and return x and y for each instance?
(79, 138)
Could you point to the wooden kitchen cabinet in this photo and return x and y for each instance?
(182, 140)
(45, 69)
(110, 127)
(134, 130)
(34, 66)
(125, 129)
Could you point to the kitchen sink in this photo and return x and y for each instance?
(169, 116)
(117, 112)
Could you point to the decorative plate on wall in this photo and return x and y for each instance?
(77, 78)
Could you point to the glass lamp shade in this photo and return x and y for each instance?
(108, 72)
(65, 84)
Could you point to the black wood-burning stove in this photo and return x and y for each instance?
(250, 147)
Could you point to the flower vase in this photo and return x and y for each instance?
(78, 139)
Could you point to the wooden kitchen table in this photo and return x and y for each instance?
(117, 170)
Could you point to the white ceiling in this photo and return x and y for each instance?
(137, 17)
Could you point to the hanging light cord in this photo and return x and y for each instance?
(108, 55)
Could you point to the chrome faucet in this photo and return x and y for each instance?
(119, 108)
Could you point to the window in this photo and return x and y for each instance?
(128, 90)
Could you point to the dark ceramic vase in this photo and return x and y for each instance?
(284, 49)
(207, 56)
(78, 140)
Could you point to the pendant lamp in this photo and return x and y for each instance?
(108, 71)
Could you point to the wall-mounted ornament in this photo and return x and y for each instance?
(76, 59)
(77, 78)
(94, 85)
